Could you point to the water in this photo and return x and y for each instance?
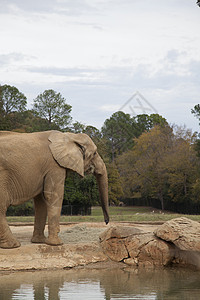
(101, 284)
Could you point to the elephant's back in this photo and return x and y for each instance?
(23, 145)
(8, 133)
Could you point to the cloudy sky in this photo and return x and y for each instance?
(98, 53)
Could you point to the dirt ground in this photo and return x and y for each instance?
(77, 233)
(80, 248)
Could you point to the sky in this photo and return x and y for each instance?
(141, 56)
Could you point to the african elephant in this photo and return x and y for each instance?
(34, 165)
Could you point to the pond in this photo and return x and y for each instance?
(75, 284)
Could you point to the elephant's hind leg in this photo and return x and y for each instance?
(7, 240)
(40, 220)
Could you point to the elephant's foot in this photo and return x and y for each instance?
(54, 241)
(38, 239)
(9, 244)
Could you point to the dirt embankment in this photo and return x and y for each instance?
(81, 247)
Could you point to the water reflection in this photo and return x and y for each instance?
(101, 284)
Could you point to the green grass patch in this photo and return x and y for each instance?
(23, 219)
(117, 214)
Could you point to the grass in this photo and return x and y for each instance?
(117, 214)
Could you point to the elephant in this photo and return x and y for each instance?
(34, 166)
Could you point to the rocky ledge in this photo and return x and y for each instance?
(81, 247)
(176, 242)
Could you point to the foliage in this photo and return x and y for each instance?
(115, 191)
(77, 127)
(120, 130)
(80, 191)
(145, 157)
(25, 121)
(12, 105)
(95, 135)
(33, 123)
(52, 107)
(92, 131)
(160, 165)
(25, 209)
(146, 122)
(11, 100)
(145, 164)
(196, 111)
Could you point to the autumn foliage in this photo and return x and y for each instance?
(146, 158)
(162, 165)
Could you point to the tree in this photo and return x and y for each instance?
(11, 100)
(80, 191)
(121, 129)
(29, 122)
(115, 191)
(92, 131)
(119, 133)
(52, 107)
(12, 106)
(143, 167)
(162, 165)
(77, 127)
(181, 168)
(146, 122)
(196, 111)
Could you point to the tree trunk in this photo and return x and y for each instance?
(160, 196)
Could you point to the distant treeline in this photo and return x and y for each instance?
(146, 158)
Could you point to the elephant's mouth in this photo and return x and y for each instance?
(90, 169)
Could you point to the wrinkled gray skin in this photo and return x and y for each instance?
(34, 165)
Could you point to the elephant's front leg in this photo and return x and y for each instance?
(53, 193)
(40, 219)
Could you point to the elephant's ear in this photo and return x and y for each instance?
(66, 151)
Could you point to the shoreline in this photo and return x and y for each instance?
(81, 247)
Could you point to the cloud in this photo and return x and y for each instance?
(173, 55)
(170, 72)
(96, 93)
(10, 58)
(194, 67)
(109, 108)
(98, 53)
(14, 6)
(67, 7)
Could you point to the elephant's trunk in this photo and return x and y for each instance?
(102, 181)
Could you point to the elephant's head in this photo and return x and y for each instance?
(78, 153)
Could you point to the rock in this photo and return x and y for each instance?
(112, 241)
(150, 251)
(185, 235)
(36, 256)
(182, 232)
(115, 249)
(135, 247)
(175, 242)
(81, 247)
(119, 232)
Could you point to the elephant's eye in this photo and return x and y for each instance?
(82, 150)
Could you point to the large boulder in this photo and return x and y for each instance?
(135, 247)
(182, 232)
(175, 242)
